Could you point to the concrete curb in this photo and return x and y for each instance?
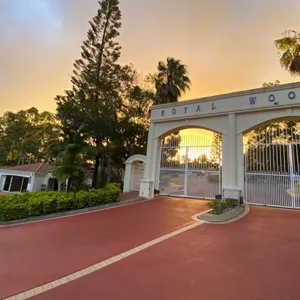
(71, 212)
(226, 218)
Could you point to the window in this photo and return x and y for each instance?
(6, 186)
(15, 184)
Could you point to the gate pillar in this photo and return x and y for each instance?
(230, 160)
(148, 181)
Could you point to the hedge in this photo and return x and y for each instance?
(24, 205)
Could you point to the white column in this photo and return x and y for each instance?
(127, 178)
(240, 162)
(158, 162)
(185, 187)
(146, 186)
(231, 189)
(232, 153)
(224, 161)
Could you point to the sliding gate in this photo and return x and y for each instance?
(272, 176)
(190, 166)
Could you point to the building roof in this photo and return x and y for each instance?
(34, 168)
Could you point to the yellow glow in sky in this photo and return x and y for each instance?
(226, 45)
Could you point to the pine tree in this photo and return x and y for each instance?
(97, 80)
(100, 53)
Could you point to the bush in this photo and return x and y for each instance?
(219, 206)
(19, 206)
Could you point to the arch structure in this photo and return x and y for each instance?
(231, 115)
(134, 169)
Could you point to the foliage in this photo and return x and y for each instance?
(170, 81)
(216, 148)
(170, 148)
(289, 50)
(219, 206)
(275, 83)
(19, 206)
(69, 164)
(25, 136)
(106, 98)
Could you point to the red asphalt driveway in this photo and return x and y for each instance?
(36, 253)
(255, 258)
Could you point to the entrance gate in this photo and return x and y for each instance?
(272, 173)
(191, 167)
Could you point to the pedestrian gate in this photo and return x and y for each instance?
(190, 166)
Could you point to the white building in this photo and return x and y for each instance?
(30, 177)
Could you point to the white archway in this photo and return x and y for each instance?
(134, 171)
(231, 115)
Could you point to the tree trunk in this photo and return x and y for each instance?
(68, 184)
(108, 176)
(96, 168)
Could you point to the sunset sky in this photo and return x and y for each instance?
(226, 44)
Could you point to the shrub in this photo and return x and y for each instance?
(66, 201)
(219, 206)
(19, 206)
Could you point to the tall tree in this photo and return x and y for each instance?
(171, 80)
(97, 81)
(289, 50)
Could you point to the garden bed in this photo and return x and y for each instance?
(224, 217)
(29, 205)
(222, 210)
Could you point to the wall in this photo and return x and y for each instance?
(39, 180)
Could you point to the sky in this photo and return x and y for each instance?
(227, 45)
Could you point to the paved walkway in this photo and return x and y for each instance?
(254, 258)
(129, 195)
(36, 253)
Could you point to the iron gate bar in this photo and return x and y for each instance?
(272, 168)
(188, 168)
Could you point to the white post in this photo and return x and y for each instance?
(146, 185)
(224, 162)
(10, 182)
(157, 171)
(186, 171)
(292, 175)
(231, 189)
(127, 178)
(240, 163)
(22, 184)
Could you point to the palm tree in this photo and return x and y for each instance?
(289, 50)
(170, 81)
(69, 153)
